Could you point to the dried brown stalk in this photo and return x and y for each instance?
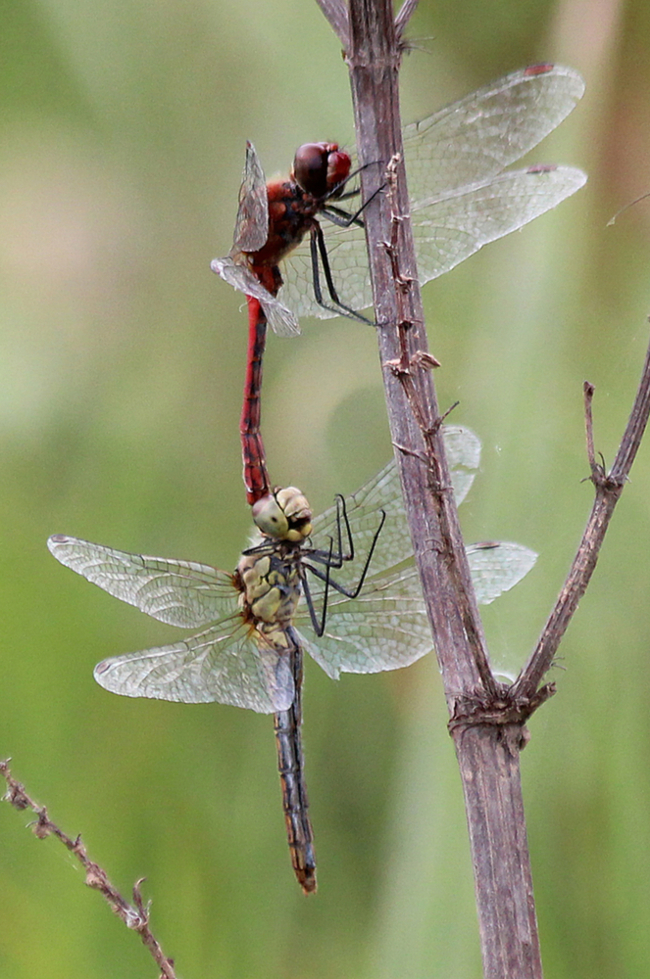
(609, 486)
(134, 916)
(487, 718)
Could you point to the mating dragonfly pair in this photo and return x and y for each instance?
(341, 586)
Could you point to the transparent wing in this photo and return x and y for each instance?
(463, 147)
(232, 270)
(251, 233)
(497, 567)
(477, 137)
(252, 224)
(383, 493)
(450, 229)
(386, 627)
(474, 139)
(463, 451)
(453, 161)
(229, 667)
(447, 230)
(231, 662)
(180, 593)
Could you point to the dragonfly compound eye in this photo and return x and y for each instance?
(310, 168)
(319, 167)
(269, 517)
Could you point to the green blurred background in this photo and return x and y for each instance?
(122, 134)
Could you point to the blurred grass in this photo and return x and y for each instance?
(123, 131)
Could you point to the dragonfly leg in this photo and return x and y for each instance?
(319, 254)
(343, 219)
(317, 625)
(329, 560)
(355, 592)
(332, 582)
(336, 558)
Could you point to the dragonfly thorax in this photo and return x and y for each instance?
(270, 591)
(291, 213)
(283, 515)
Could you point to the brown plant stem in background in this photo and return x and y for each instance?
(134, 916)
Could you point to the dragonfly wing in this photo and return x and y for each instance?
(384, 493)
(463, 451)
(477, 137)
(450, 229)
(385, 628)
(497, 567)
(282, 320)
(252, 224)
(180, 593)
(346, 252)
(224, 666)
(469, 142)
(447, 230)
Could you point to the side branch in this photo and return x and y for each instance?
(134, 916)
(609, 487)
(406, 12)
(336, 13)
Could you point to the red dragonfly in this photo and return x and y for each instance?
(460, 200)
(275, 217)
(255, 623)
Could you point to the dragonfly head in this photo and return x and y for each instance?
(284, 514)
(320, 167)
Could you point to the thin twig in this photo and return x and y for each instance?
(135, 916)
(609, 487)
(403, 17)
(588, 390)
(336, 13)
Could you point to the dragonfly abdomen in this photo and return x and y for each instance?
(294, 792)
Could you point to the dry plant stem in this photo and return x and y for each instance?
(609, 487)
(134, 916)
(487, 730)
(374, 63)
